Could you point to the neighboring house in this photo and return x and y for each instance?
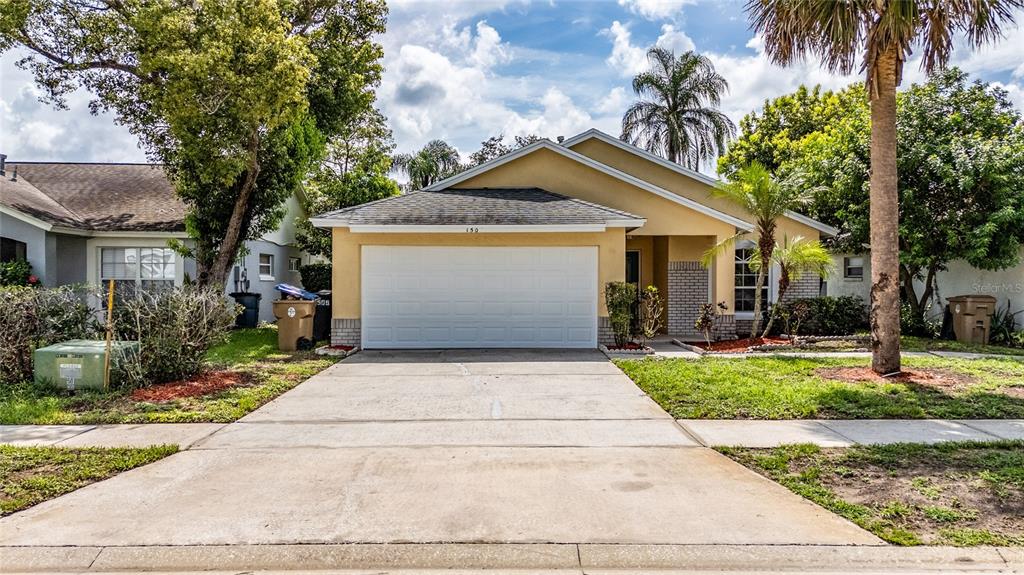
(853, 277)
(89, 223)
(516, 252)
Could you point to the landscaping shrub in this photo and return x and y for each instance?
(916, 324)
(175, 328)
(1004, 326)
(32, 318)
(844, 315)
(620, 298)
(316, 277)
(17, 273)
(652, 307)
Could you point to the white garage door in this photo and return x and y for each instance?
(432, 297)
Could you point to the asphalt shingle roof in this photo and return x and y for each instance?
(100, 197)
(478, 206)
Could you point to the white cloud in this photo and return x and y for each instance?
(630, 59)
(615, 102)
(655, 9)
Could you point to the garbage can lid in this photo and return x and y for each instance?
(288, 289)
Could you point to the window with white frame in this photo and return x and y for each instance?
(294, 264)
(266, 266)
(853, 267)
(746, 282)
(144, 268)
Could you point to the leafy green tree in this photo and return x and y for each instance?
(770, 135)
(766, 198)
(495, 146)
(961, 179)
(879, 34)
(434, 162)
(794, 258)
(677, 115)
(235, 99)
(354, 172)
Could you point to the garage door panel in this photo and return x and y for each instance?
(432, 296)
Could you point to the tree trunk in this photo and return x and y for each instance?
(885, 253)
(766, 245)
(756, 327)
(234, 234)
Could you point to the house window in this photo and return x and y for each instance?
(267, 267)
(145, 268)
(853, 267)
(12, 250)
(746, 282)
(293, 264)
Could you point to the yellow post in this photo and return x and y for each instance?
(110, 334)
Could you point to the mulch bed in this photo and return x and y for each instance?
(627, 347)
(938, 379)
(202, 384)
(740, 345)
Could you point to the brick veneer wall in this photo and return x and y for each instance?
(346, 332)
(605, 335)
(809, 285)
(743, 327)
(687, 290)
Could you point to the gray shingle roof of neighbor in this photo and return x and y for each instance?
(98, 197)
(478, 206)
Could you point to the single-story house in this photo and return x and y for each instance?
(92, 222)
(853, 278)
(516, 252)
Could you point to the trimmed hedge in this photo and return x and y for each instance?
(844, 315)
(316, 277)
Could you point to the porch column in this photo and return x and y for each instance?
(724, 290)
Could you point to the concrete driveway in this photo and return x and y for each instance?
(429, 447)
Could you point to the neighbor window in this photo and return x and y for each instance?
(12, 250)
(853, 267)
(746, 282)
(293, 264)
(266, 266)
(138, 267)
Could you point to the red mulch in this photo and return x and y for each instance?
(739, 345)
(629, 346)
(343, 347)
(940, 379)
(202, 384)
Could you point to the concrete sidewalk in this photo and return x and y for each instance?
(847, 432)
(254, 433)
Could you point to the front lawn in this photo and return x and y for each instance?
(911, 343)
(797, 388)
(31, 475)
(959, 494)
(250, 356)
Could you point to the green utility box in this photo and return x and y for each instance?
(78, 364)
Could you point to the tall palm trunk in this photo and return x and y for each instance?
(885, 254)
(758, 304)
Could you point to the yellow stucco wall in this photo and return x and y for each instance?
(347, 251)
(674, 182)
(556, 173)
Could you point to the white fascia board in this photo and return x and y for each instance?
(31, 220)
(626, 223)
(590, 162)
(328, 223)
(473, 229)
(704, 178)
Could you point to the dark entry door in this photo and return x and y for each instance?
(633, 277)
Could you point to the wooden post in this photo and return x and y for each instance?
(110, 334)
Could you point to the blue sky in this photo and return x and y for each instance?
(464, 71)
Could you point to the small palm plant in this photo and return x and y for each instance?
(766, 198)
(794, 260)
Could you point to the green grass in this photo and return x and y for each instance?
(253, 351)
(911, 343)
(973, 492)
(788, 388)
(31, 475)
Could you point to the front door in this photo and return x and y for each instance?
(633, 277)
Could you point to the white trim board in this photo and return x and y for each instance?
(474, 229)
(589, 162)
(703, 178)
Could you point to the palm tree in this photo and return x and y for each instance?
(436, 161)
(754, 189)
(884, 32)
(794, 260)
(677, 115)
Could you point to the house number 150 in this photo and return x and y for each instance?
(472, 230)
